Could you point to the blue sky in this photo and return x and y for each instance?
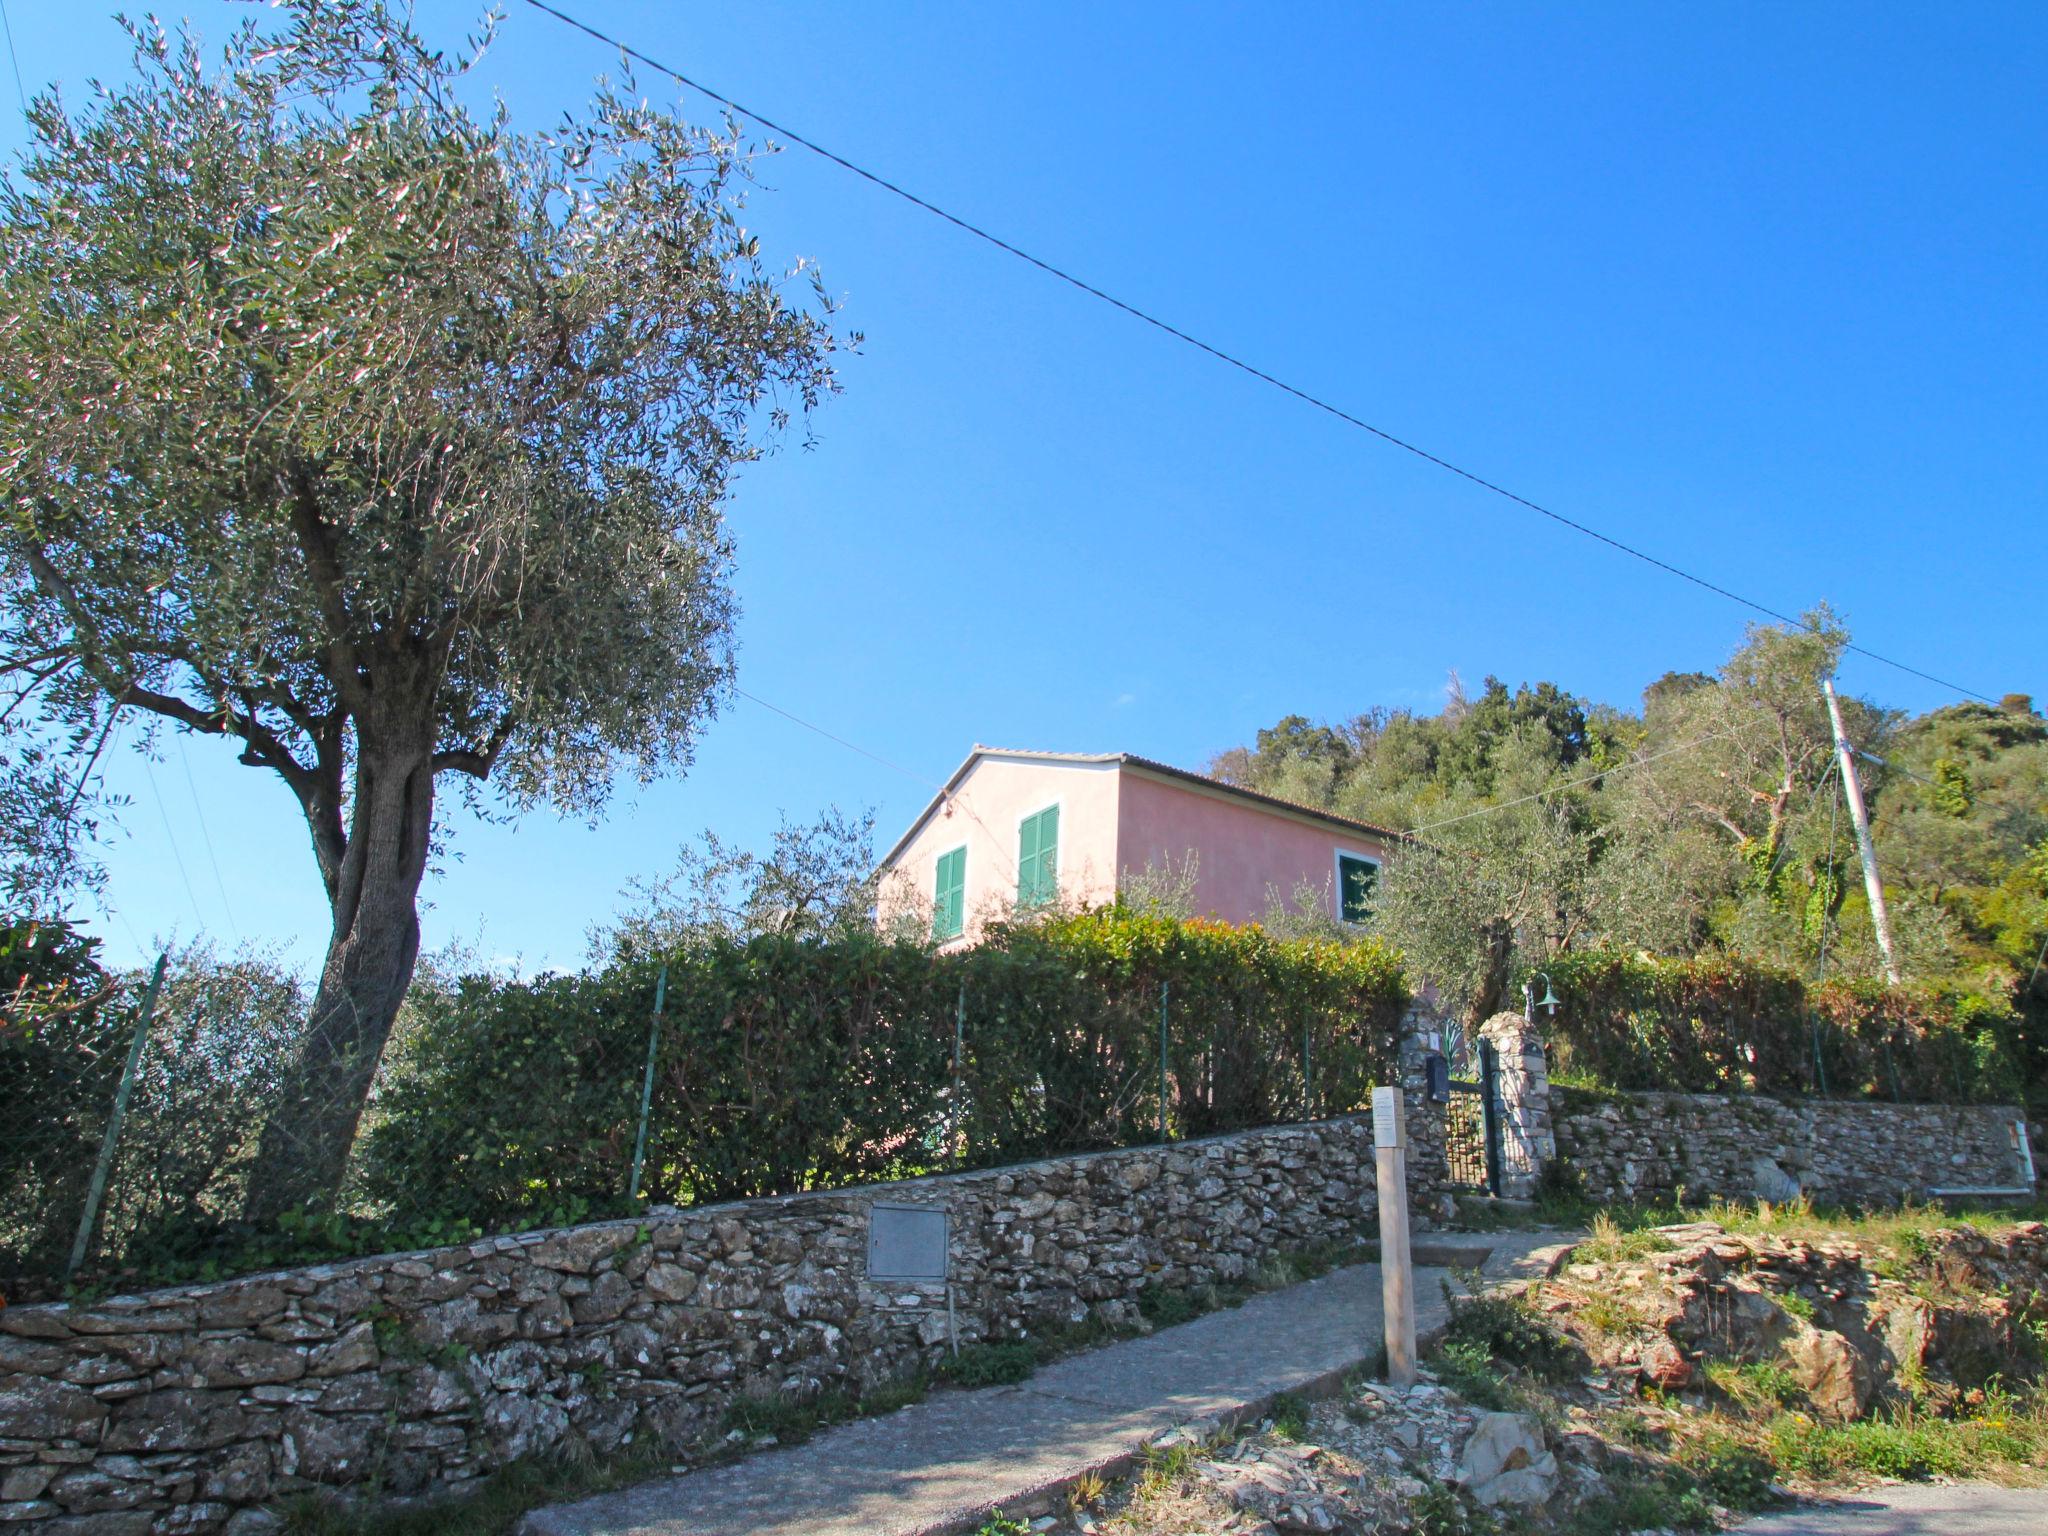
(1759, 288)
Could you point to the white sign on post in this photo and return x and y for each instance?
(1397, 1275)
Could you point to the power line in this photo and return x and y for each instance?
(1551, 789)
(13, 58)
(171, 837)
(206, 835)
(1222, 356)
(915, 777)
(840, 740)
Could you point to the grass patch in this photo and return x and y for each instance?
(1610, 1242)
(1644, 1501)
(492, 1510)
(1289, 1413)
(990, 1365)
(1756, 1384)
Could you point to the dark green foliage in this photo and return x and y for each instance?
(61, 1045)
(1508, 1331)
(1167, 1308)
(789, 1063)
(989, 1365)
(1719, 1024)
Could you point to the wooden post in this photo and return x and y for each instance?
(1397, 1271)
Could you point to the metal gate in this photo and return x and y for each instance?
(1472, 1136)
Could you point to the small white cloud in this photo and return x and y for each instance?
(1123, 701)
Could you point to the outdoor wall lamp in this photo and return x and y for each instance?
(1531, 1002)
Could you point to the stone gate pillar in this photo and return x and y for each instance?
(1527, 1143)
(1428, 1172)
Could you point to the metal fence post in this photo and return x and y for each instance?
(97, 1190)
(647, 1083)
(1162, 1060)
(1308, 1091)
(959, 1087)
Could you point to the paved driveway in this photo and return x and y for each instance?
(1916, 1509)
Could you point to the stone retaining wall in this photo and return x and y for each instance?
(1632, 1146)
(186, 1410)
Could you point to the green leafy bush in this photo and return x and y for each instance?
(1722, 1024)
(793, 1063)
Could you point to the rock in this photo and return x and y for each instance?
(1501, 1442)
(1665, 1365)
(31, 1357)
(1530, 1485)
(669, 1282)
(20, 1484)
(191, 1520)
(1770, 1182)
(252, 1522)
(242, 1306)
(35, 1408)
(33, 1323)
(240, 1475)
(609, 1296)
(1836, 1377)
(243, 1363)
(355, 1350)
(177, 1421)
(328, 1450)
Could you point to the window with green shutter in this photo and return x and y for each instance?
(1356, 876)
(1038, 858)
(949, 899)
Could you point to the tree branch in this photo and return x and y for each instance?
(477, 762)
(316, 546)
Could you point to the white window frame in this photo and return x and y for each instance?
(1337, 858)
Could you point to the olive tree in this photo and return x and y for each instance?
(386, 444)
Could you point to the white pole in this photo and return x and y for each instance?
(1397, 1274)
(1852, 791)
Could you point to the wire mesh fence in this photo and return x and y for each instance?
(725, 1071)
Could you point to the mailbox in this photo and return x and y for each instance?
(1439, 1071)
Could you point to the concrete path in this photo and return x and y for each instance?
(1915, 1509)
(942, 1465)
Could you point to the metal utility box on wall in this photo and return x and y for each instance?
(907, 1242)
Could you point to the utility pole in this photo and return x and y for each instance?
(1852, 791)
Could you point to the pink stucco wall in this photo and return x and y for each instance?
(1115, 819)
(983, 815)
(1242, 849)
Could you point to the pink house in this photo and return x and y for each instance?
(1016, 828)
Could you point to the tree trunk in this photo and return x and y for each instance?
(370, 954)
(1498, 942)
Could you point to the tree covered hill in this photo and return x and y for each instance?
(1708, 819)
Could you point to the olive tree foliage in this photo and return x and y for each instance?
(817, 880)
(384, 443)
(1498, 882)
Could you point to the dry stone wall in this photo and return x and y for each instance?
(187, 1410)
(1634, 1146)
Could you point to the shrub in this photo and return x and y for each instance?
(1720, 1024)
(1507, 1329)
(786, 1064)
(989, 1365)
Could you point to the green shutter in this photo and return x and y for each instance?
(1356, 878)
(949, 899)
(1038, 852)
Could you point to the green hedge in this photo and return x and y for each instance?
(1726, 1025)
(785, 1064)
